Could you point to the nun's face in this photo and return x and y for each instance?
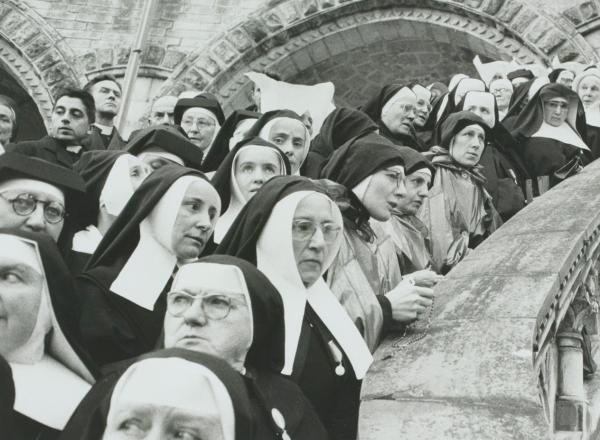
(46, 200)
(566, 78)
(423, 108)
(199, 127)
(138, 171)
(156, 160)
(217, 323)
(484, 110)
(589, 90)
(195, 221)
(400, 117)
(6, 124)
(556, 111)
(502, 92)
(290, 136)
(20, 294)
(315, 230)
(467, 145)
(255, 166)
(417, 189)
(384, 191)
(242, 128)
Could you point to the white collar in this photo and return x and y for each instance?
(87, 240)
(104, 129)
(563, 133)
(74, 148)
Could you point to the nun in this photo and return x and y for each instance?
(288, 131)
(503, 168)
(365, 275)
(562, 76)
(551, 129)
(168, 221)
(234, 129)
(341, 125)
(519, 99)
(201, 117)
(110, 178)
(167, 394)
(162, 145)
(502, 89)
(39, 196)
(459, 212)
(423, 109)
(292, 231)
(394, 110)
(243, 172)
(587, 86)
(224, 306)
(50, 371)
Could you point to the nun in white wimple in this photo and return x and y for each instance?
(50, 371)
(168, 221)
(587, 86)
(292, 232)
(242, 173)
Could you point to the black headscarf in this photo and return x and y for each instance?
(169, 138)
(553, 76)
(520, 73)
(204, 100)
(240, 241)
(89, 420)
(414, 161)
(341, 125)
(222, 178)
(456, 122)
(220, 146)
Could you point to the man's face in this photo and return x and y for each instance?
(163, 111)
(290, 136)
(502, 92)
(556, 111)
(6, 124)
(417, 189)
(70, 122)
(107, 97)
(199, 127)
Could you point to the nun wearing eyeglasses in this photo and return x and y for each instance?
(243, 172)
(394, 110)
(224, 306)
(111, 177)
(292, 231)
(365, 275)
(288, 131)
(587, 86)
(458, 212)
(168, 221)
(50, 371)
(39, 196)
(167, 394)
(552, 130)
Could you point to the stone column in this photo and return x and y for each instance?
(570, 403)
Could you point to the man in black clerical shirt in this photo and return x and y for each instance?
(106, 92)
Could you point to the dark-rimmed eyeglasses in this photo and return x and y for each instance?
(215, 306)
(24, 204)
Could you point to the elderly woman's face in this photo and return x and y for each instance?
(401, 116)
(20, 294)
(195, 221)
(386, 188)
(556, 111)
(467, 145)
(316, 228)
(6, 124)
(208, 321)
(589, 90)
(198, 126)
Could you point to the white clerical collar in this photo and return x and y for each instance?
(74, 148)
(564, 133)
(104, 129)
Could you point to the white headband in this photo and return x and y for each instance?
(118, 188)
(404, 92)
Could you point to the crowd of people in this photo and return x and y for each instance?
(229, 277)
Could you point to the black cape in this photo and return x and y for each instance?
(47, 148)
(89, 420)
(95, 140)
(341, 125)
(220, 146)
(113, 326)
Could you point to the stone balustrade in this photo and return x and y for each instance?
(509, 350)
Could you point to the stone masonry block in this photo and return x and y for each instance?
(589, 10)
(88, 61)
(51, 58)
(104, 57)
(550, 41)
(255, 29)
(56, 74)
(239, 39)
(318, 51)
(208, 65)
(24, 34)
(272, 22)
(153, 55)
(352, 38)
(308, 7)
(37, 47)
(302, 59)
(508, 11)
(524, 19)
(224, 51)
(335, 44)
(172, 59)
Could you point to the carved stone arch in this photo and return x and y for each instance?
(34, 54)
(276, 37)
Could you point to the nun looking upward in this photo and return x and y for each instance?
(168, 221)
(587, 86)
(224, 306)
(243, 172)
(292, 231)
(365, 275)
(165, 145)
(111, 177)
(288, 131)
(551, 129)
(167, 394)
(458, 212)
(50, 371)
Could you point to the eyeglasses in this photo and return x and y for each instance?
(24, 204)
(304, 230)
(215, 306)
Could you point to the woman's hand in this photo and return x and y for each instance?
(409, 301)
(425, 278)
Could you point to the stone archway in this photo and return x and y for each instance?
(34, 55)
(297, 34)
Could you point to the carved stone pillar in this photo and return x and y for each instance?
(570, 403)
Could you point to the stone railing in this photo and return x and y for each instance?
(508, 353)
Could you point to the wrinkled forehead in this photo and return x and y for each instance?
(318, 208)
(200, 113)
(35, 187)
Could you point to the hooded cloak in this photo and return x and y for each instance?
(232, 199)
(235, 410)
(124, 285)
(340, 126)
